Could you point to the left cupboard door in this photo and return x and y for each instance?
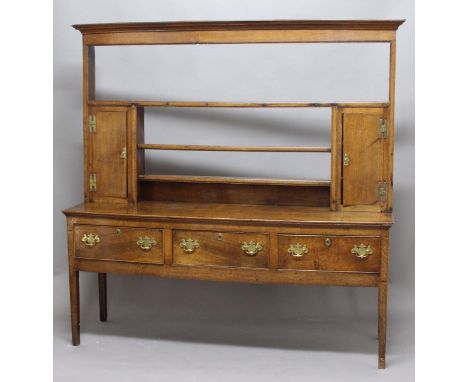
(108, 139)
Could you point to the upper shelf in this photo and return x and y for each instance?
(204, 104)
(219, 32)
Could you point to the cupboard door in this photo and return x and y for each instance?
(364, 158)
(109, 154)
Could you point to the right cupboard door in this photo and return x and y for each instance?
(365, 158)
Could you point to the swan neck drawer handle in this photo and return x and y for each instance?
(251, 248)
(189, 245)
(362, 251)
(146, 243)
(298, 250)
(90, 239)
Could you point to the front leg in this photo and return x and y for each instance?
(75, 305)
(102, 280)
(382, 327)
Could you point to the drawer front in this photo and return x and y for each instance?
(224, 249)
(138, 245)
(329, 253)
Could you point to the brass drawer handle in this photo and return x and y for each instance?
(298, 250)
(90, 239)
(251, 248)
(146, 243)
(189, 245)
(362, 252)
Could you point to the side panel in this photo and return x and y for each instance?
(364, 159)
(109, 154)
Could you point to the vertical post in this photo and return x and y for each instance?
(336, 143)
(382, 299)
(391, 121)
(89, 93)
(102, 281)
(74, 285)
(132, 171)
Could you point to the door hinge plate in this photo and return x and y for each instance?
(382, 191)
(92, 182)
(383, 128)
(92, 123)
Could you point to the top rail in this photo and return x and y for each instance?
(239, 32)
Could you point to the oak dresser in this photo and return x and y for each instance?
(327, 232)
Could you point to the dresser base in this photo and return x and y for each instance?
(288, 251)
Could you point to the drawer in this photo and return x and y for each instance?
(329, 253)
(138, 245)
(223, 249)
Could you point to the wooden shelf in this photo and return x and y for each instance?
(233, 180)
(211, 104)
(279, 149)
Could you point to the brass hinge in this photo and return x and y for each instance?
(382, 191)
(92, 182)
(383, 128)
(92, 123)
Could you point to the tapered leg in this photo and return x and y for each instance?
(102, 278)
(75, 306)
(382, 329)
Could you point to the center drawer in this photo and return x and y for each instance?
(329, 253)
(224, 249)
(140, 245)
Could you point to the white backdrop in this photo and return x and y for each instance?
(334, 320)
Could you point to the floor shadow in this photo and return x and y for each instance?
(270, 316)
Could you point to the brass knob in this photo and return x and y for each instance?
(362, 252)
(346, 159)
(146, 243)
(189, 245)
(298, 250)
(90, 239)
(327, 242)
(251, 248)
